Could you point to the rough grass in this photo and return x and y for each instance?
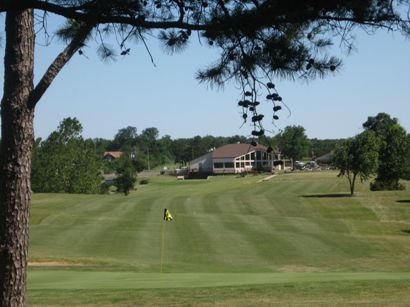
(295, 239)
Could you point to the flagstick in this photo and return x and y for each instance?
(162, 244)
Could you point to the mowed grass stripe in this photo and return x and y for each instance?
(69, 280)
(103, 235)
(226, 224)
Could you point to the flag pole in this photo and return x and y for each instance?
(167, 218)
(162, 245)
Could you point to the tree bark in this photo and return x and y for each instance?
(352, 183)
(15, 156)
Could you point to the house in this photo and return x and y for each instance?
(235, 158)
(112, 155)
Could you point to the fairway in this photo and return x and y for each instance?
(227, 233)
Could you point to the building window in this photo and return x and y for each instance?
(237, 165)
(252, 155)
(242, 164)
(243, 158)
(258, 155)
(247, 157)
(228, 164)
(218, 165)
(248, 163)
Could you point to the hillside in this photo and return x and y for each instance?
(292, 224)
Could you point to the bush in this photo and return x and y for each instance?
(125, 183)
(144, 181)
(386, 186)
(105, 187)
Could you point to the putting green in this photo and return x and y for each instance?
(71, 280)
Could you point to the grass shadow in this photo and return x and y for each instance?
(406, 231)
(404, 201)
(334, 195)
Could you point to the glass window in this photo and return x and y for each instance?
(252, 155)
(248, 163)
(218, 165)
(258, 155)
(228, 164)
(247, 157)
(237, 165)
(243, 158)
(242, 164)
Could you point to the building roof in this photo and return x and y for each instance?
(114, 154)
(326, 158)
(236, 150)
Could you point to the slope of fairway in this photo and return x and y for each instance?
(296, 239)
(291, 223)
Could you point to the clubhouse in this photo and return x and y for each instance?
(236, 158)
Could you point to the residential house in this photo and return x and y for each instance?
(112, 155)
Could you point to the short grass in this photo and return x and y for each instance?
(296, 239)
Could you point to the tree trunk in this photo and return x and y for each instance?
(15, 156)
(352, 183)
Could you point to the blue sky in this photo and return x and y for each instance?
(132, 92)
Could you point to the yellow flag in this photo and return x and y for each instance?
(167, 215)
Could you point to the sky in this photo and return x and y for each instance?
(133, 92)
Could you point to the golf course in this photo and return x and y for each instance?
(293, 240)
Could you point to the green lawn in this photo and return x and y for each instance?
(294, 240)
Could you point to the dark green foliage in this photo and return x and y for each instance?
(394, 151)
(380, 123)
(105, 187)
(321, 147)
(384, 185)
(125, 183)
(294, 143)
(406, 171)
(144, 181)
(125, 139)
(65, 162)
(357, 157)
(126, 175)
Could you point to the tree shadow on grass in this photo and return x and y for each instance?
(406, 231)
(404, 201)
(335, 195)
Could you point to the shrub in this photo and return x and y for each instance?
(379, 185)
(105, 187)
(144, 181)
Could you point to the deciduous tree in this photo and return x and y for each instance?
(294, 142)
(357, 157)
(65, 162)
(393, 152)
(126, 175)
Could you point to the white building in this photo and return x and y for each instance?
(236, 158)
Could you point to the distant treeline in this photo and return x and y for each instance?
(66, 162)
(160, 150)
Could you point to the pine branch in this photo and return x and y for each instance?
(76, 43)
